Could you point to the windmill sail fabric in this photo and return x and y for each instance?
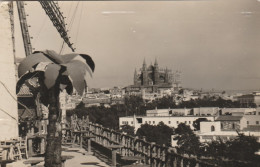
(76, 67)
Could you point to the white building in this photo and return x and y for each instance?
(169, 112)
(171, 121)
(238, 110)
(212, 130)
(249, 120)
(206, 111)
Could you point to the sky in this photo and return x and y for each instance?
(215, 43)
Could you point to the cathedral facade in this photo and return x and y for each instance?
(153, 78)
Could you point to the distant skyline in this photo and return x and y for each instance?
(214, 43)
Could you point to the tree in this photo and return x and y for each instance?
(55, 73)
(242, 147)
(160, 134)
(196, 123)
(187, 141)
(129, 130)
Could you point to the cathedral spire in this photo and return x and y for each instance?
(155, 62)
(144, 65)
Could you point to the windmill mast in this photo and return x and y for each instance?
(24, 28)
(52, 10)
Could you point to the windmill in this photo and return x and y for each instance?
(63, 66)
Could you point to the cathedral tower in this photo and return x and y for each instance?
(156, 72)
(145, 74)
(166, 75)
(135, 78)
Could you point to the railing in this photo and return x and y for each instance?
(126, 148)
(154, 155)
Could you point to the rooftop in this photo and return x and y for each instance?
(228, 118)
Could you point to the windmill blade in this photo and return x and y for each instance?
(51, 74)
(77, 71)
(37, 57)
(80, 57)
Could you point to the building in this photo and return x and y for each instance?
(97, 100)
(171, 121)
(228, 127)
(249, 100)
(229, 122)
(232, 111)
(152, 78)
(249, 121)
(169, 112)
(225, 135)
(206, 111)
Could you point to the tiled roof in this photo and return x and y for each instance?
(228, 118)
(24, 92)
(23, 113)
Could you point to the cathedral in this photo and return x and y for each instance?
(153, 78)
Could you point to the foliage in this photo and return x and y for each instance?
(107, 117)
(196, 123)
(134, 105)
(216, 149)
(187, 141)
(209, 102)
(129, 130)
(160, 134)
(242, 147)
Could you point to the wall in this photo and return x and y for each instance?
(154, 120)
(257, 100)
(231, 110)
(230, 125)
(252, 120)
(205, 110)
(206, 126)
(8, 106)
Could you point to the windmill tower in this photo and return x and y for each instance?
(8, 103)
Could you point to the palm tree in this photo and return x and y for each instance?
(55, 73)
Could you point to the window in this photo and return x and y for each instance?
(139, 120)
(132, 122)
(222, 126)
(153, 122)
(185, 122)
(257, 122)
(233, 126)
(212, 128)
(125, 122)
(169, 122)
(189, 122)
(177, 122)
(247, 122)
(149, 122)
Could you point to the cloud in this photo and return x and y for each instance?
(117, 12)
(246, 12)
